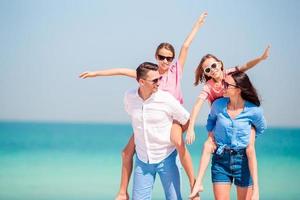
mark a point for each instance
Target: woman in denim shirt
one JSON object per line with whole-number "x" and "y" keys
{"x": 230, "y": 122}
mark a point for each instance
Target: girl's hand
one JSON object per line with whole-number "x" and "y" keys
{"x": 202, "y": 17}
{"x": 190, "y": 136}
{"x": 265, "y": 55}
{"x": 87, "y": 75}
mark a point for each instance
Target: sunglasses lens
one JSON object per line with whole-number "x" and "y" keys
{"x": 207, "y": 70}
{"x": 169, "y": 59}
{"x": 214, "y": 66}
{"x": 154, "y": 81}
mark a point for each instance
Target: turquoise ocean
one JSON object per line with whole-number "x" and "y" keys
{"x": 69, "y": 161}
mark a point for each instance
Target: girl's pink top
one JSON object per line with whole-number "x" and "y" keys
{"x": 212, "y": 91}
{"x": 170, "y": 81}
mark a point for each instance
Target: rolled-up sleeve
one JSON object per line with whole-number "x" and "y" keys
{"x": 204, "y": 93}
{"x": 178, "y": 112}
{"x": 259, "y": 121}
{"x": 212, "y": 118}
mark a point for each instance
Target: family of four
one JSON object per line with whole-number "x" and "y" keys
{"x": 159, "y": 120}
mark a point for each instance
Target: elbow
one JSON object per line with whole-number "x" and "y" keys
{"x": 185, "y": 126}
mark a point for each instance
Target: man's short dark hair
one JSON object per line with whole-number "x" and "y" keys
{"x": 144, "y": 68}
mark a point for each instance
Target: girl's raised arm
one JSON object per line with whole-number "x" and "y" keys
{"x": 110, "y": 72}
{"x": 184, "y": 49}
{"x": 255, "y": 61}
{"x": 190, "y": 135}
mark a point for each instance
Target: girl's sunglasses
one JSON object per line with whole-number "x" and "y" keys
{"x": 207, "y": 70}
{"x": 169, "y": 59}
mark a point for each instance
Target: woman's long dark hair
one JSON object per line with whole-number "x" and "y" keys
{"x": 248, "y": 92}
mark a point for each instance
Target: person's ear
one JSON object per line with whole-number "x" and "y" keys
{"x": 141, "y": 82}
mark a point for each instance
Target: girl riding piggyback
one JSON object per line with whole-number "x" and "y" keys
{"x": 212, "y": 73}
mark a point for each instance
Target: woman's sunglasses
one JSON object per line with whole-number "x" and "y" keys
{"x": 226, "y": 85}
{"x": 207, "y": 70}
{"x": 169, "y": 59}
{"x": 155, "y": 81}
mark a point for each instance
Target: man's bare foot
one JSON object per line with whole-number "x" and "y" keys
{"x": 198, "y": 187}
{"x": 122, "y": 196}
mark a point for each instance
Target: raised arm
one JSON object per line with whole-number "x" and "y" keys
{"x": 110, "y": 72}
{"x": 190, "y": 136}
{"x": 185, "y": 47}
{"x": 255, "y": 61}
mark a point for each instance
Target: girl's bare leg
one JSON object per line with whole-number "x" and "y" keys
{"x": 127, "y": 160}
{"x": 184, "y": 154}
{"x": 208, "y": 148}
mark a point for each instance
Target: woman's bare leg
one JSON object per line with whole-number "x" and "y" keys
{"x": 244, "y": 193}
{"x": 222, "y": 191}
{"x": 127, "y": 160}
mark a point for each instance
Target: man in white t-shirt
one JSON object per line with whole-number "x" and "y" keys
{"x": 152, "y": 112}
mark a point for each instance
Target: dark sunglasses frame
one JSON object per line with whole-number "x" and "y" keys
{"x": 226, "y": 85}
{"x": 154, "y": 81}
{"x": 169, "y": 59}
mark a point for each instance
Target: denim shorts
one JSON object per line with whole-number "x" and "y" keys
{"x": 231, "y": 165}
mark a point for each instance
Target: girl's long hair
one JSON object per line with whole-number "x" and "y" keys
{"x": 200, "y": 76}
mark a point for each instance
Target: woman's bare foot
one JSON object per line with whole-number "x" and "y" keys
{"x": 122, "y": 196}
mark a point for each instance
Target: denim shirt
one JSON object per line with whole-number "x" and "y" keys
{"x": 234, "y": 133}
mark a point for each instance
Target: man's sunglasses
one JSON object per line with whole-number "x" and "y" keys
{"x": 226, "y": 85}
{"x": 207, "y": 70}
{"x": 155, "y": 81}
{"x": 169, "y": 59}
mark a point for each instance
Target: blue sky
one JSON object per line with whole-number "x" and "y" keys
{"x": 45, "y": 45}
